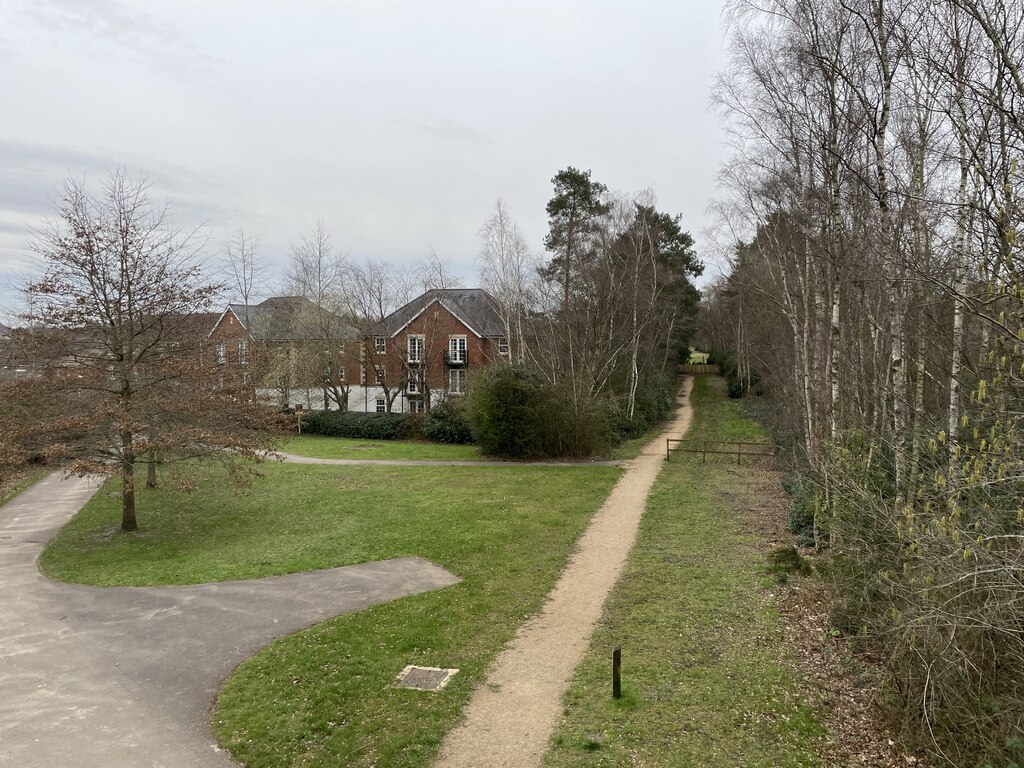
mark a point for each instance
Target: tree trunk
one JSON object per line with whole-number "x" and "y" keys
{"x": 151, "y": 470}
{"x": 128, "y": 521}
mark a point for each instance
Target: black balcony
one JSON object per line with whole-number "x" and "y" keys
{"x": 460, "y": 360}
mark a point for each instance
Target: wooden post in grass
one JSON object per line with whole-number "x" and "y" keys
{"x": 668, "y": 454}
{"x": 617, "y": 672}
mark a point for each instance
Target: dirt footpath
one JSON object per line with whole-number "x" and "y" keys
{"x": 511, "y": 716}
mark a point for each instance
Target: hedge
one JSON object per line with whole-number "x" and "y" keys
{"x": 363, "y": 426}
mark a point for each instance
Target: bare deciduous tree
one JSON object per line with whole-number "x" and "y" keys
{"x": 116, "y": 328}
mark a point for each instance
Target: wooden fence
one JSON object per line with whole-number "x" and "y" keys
{"x": 699, "y": 369}
{"x": 704, "y": 447}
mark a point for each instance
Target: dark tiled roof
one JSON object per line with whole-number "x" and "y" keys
{"x": 282, "y": 318}
{"x": 474, "y": 306}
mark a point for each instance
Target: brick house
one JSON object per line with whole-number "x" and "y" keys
{"x": 420, "y": 354}
{"x": 426, "y": 350}
{"x": 289, "y": 349}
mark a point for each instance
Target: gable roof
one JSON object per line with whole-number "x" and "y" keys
{"x": 474, "y": 307}
{"x": 280, "y": 318}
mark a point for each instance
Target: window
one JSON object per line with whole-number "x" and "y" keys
{"x": 222, "y": 353}
{"x": 502, "y": 346}
{"x": 243, "y": 352}
{"x": 378, "y": 372}
{"x": 382, "y": 406}
{"x": 415, "y": 346}
{"x": 341, "y": 373}
{"x": 412, "y": 389}
{"x": 417, "y": 406}
{"x": 380, "y": 345}
{"x": 457, "y": 349}
{"x": 457, "y": 381}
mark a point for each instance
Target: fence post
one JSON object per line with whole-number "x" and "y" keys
{"x": 617, "y": 672}
{"x": 668, "y": 455}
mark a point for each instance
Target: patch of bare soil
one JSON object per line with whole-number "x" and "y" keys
{"x": 843, "y": 690}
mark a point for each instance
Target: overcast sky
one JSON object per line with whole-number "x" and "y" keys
{"x": 398, "y": 123}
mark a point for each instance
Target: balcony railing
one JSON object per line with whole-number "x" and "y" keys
{"x": 456, "y": 360}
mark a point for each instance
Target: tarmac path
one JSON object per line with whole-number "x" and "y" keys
{"x": 124, "y": 677}
{"x": 512, "y": 714}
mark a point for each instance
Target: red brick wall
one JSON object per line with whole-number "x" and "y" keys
{"x": 229, "y": 332}
{"x": 436, "y": 325}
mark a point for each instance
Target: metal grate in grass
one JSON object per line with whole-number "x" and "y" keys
{"x": 424, "y": 678}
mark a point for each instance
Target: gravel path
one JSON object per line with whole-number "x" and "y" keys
{"x": 122, "y": 677}
{"x": 511, "y": 716}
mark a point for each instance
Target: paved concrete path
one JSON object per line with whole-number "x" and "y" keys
{"x": 124, "y": 677}
{"x": 296, "y": 459}
{"x": 511, "y": 715}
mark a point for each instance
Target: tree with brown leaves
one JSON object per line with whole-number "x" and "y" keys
{"x": 116, "y": 328}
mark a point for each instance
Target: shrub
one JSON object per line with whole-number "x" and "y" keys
{"x": 788, "y": 560}
{"x": 505, "y": 410}
{"x": 573, "y": 426}
{"x": 801, "y": 511}
{"x": 364, "y": 426}
{"x": 448, "y": 423}
{"x": 654, "y": 402}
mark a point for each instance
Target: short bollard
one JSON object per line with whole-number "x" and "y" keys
{"x": 617, "y": 672}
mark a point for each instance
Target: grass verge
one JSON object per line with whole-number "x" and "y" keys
{"x": 323, "y": 697}
{"x": 321, "y": 447}
{"x": 14, "y": 481}
{"x": 706, "y": 677}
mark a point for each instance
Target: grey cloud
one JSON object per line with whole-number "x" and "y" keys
{"x": 117, "y": 23}
{"x": 452, "y": 130}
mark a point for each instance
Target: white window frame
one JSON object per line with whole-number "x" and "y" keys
{"x": 381, "y": 406}
{"x": 378, "y": 374}
{"x": 222, "y": 353}
{"x": 457, "y": 381}
{"x": 412, "y": 387}
{"x": 458, "y": 349}
{"x": 380, "y": 345}
{"x": 341, "y": 373}
{"x": 417, "y": 406}
{"x": 503, "y": 348}
{"x": 243, "y": 352}
{"x": 415, "y": 337}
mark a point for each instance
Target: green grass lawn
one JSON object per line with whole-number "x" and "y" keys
{"x": 320, "y": 447}
{"x": 706, "y": 680}
{"x": 323, "y": 697}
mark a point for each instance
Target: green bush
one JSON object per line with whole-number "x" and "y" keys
{"x": 575, "y": 426}
{"x": 448, "y": 423}
{"x": 788, "y": 560}
{"x": 363, "y": 426}
{"x": 804, "y": 492}
{"x": 505, "y": 410}
{"x": 654, "y": 402}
